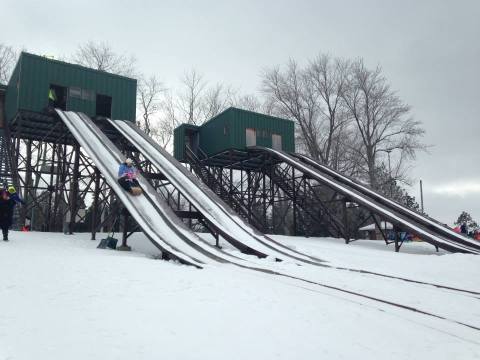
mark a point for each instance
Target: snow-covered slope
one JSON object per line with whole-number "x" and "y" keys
{"x": 61, "y": 298}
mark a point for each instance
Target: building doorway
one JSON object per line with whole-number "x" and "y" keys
{"x": 57, "y": 97}
{"x": 192, "y": 140}
{"x": 104, "y": 106}
{"x": 250, "y": 137}
{"x": 276, "y": 142}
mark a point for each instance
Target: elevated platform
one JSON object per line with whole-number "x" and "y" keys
{"x": 48, "y": 127}
{"x": 249, "y": 159}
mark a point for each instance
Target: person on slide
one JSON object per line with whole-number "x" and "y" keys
{"x": 127, "y": 177}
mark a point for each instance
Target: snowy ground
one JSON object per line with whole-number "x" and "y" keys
{"x": 61, "y": 298}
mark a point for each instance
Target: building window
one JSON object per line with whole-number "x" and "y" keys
{"x": 57, "y": 97}
{"x": 250, "y": 137}
{"x": 88, "y": 95}
{"x": 79, "y": 93}
{"x": 104, "y": 106}
{"x": 277, "y": 141}
{"x": 75, "y": 92}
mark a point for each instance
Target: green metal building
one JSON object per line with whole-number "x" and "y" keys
{"x": 235, "y": 129}
{"x": 38, "y": 82}
{"x": 3, "y": 91}
{"x": 184, "y": 134}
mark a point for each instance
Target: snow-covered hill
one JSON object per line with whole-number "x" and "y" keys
{"x": 61, "y": 298}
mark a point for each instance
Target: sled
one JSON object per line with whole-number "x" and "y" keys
{"x": 136, "y": 190}
{"x": 110, "y": 242}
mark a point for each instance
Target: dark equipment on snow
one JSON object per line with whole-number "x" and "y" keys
{"x": 109, "y": 242}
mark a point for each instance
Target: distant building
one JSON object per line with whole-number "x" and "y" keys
{"x": 372, "y": 232}
{"x": 234, "y": 130}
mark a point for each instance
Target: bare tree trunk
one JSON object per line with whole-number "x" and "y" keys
{"x": 382, "y": 120}
{"x": 8, "y": 57}
{"x": 149, "y": 91}
{"x": 190, "y": 101}
{"x": 312, "y": 97}
{"x": 102, "y": 57}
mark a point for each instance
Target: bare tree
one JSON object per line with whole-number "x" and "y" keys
{"x": 148, "y": 93}
{"x": 295, "y": 98}
{"x": 101, "y": 56}
{"x": 170, "y": 109}
{"x": 248, "y": 102}
{"x": 216, "y": 99}
{"x": 8, "y": 57}
{"x": 312, "y": 98}
{"x": 190, "y": 99}
{"x": 382, "y": 120}
{"x": 162, "y": 131}
{"x": 197, "y": 102}
{"x": 329, "y": 78}
{"x": 255, "y": 103}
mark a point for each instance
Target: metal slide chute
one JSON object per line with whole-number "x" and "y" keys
{"x": 393, "y": 214}
{"x": 229, "y": 224}
{"x": 155, "y": 218}
{"x": 432, "y": 224}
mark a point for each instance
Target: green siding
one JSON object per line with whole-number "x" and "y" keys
{"x": 179, "y": 140}
{"x": 179, "y": 143}
{"x": 3, "y": 90}
{"x": 227, "y": 131}
{"x": 11, "y": 97}
{"x": 212, "y": 133}
{"x": 265, "y": 126}
{"x": 34, "y": 74}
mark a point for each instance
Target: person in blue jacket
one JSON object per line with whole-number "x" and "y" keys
{"x": 14, "y": 195}
{"x": 127, "y": 175}
{"x": 8, "y": 199}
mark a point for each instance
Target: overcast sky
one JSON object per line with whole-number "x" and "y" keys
{"x": 429, "y": 51}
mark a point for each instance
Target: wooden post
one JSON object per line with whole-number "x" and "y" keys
{"x": 50, "y": 188}
{"x": 74, "y": 189}
{"x": 249, "y": 196}
{"x": 264, "y": 200}
{"x": 294, "y": 200}
{"x": 395, "y": 234}
{"x": 95, "y": 204}
{"x": 345, "y": 222}
{"x": 421, "y": 196}
{"x": 124, "y": 246}
{"x": 28, "y": 180}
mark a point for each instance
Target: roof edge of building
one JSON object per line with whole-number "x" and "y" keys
{"x": 85, "y": 68}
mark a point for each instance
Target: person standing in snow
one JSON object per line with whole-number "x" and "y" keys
{"x": 127, "y": 175}
{"x": 8, "y": 200}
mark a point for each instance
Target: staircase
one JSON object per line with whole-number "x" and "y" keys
{"x": 306, "y": 200}
{"x": 5, "y": 168}
{"x": 222, "y": 189}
